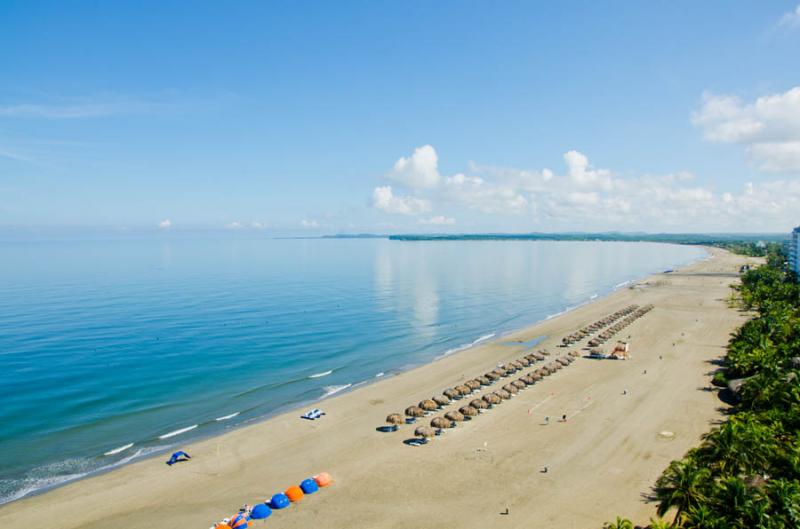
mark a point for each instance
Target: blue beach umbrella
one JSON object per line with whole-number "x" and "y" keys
{"x": 309, "y": 486}
{"x": 279, "y": 501}
{"x": 260, "y": 512}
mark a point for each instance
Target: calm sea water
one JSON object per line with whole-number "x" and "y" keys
{"x": 111, "y": 350}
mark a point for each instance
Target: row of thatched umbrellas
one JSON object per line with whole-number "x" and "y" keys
{"x": 596, "y": 326}
{"x": 453, "y": 417}
{"x": 614, "y": 329}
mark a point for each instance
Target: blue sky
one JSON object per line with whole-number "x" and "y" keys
{"x": 323, "y": 117}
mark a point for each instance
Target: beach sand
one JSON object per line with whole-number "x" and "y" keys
{"x": 601, "y": 461}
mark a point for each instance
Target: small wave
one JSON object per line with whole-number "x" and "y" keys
{"x": 178, "y": 432}
{"x": 557, "y": 314}
{"x": 332, "y": 390}
{"x": 379, "y": 375}
{"x": 118, "y": 449}
{"x": 468, "y": 345}
{"x": 620, "y": 285}
{"x": 320, "y": 375}
{"x": 593, "y": 296}
{"x": 59, "y": 473}
{"x": 226, "y": 417}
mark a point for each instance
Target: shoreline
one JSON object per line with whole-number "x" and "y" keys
{"x": 498, "y": 348}
{"x": 147, "y": 449}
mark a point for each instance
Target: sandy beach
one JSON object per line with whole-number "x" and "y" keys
{"x": 601, "y": 460}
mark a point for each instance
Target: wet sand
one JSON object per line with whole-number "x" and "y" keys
{"x": 601, "y": 461}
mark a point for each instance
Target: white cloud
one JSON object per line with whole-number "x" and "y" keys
{"x": 77, "y": 109}
{"x": 257, "y": 225}
{"x": 165, "y": 224}
{"x": 384, "y": 199}
{"x": 768, "y": 128}
{"x": 587, "y": 198}
{"x": 418, "y": 171}
{"x": 476, "y": 193}
{"x": 235, "y": 225}
{"x": 438, "y": 220}
{"x": 791, "y": 19}
{"x": 309, "y": 223}
{"x": 582, "y": 174}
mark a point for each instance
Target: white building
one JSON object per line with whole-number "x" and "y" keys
{"x": 794, "y": 250}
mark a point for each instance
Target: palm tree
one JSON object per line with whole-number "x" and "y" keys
{"x": 620, "y": 523}
{"x": 681, "y": 486}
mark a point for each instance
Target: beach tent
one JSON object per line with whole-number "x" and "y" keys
{"x": 323, "y": 479}
{"x": 260, "y": 512}
{"x": 309, "y": 486}
{"x": 294, "y": 493}
{"x": 239, "y": 521}
{"x": 279, "y": 501}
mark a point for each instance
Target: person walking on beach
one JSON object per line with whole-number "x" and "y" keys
{"x": 564, "y": 417}
{"x": 547, "y": 419}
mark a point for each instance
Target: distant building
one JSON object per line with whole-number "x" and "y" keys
{"x": 794, "y": 250}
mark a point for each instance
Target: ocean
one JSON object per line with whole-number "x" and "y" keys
{"x": 114, "y": 350}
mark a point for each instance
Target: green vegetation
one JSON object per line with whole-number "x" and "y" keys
{"x": 745, "y": 243}
{"x": 746, "y": 472}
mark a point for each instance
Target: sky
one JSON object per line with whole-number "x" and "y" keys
{"x": 316, "y": 117}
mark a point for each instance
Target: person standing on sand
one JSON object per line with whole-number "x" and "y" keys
{"x": 547, "y": 419}
{"x": 564, "y": 417}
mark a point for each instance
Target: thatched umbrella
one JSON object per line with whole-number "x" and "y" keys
{"x": 544, "y": 352}
{"x": 468, "y": 411}
{"x": 425, "y": 431}
{"x": 479, "y": 404}
{"x": 516, "y": 365}
{"x": 538, "y": 356}
{"x": 473, "y": 384}
{"x": 511, "y": 388}
{"x": 537, "y": 376}
{"x": 503, "y": 394}
{"x": 395, "y": 418}
{"x": 574, "y": 354}
{"x": 415, "y": 411}
{"x": 462, "y": 389}
{"x": 524, "y": 361}
{"x": 452, "y": 394}
{"x": 519, "y": 384}
{"x": 492, "y": 399}
{"x": 440, "y": 422}
{"x": 454, "y": 416}
{"x": 484, "y": 380}
{"x": 491, "y": 375}
{"x": 428, "y": 405}
{"x": 563, "y": 361}
{"x": 531, "y": 358}
{"x": 499, "y": 371}
{"x": 441, "y": 400}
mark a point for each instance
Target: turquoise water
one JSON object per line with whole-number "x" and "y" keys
{"x": 108, "y": 348}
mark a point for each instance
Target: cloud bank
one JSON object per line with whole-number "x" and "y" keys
{"x": 768, "y": 128}
{"x": 583, "y": 196}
